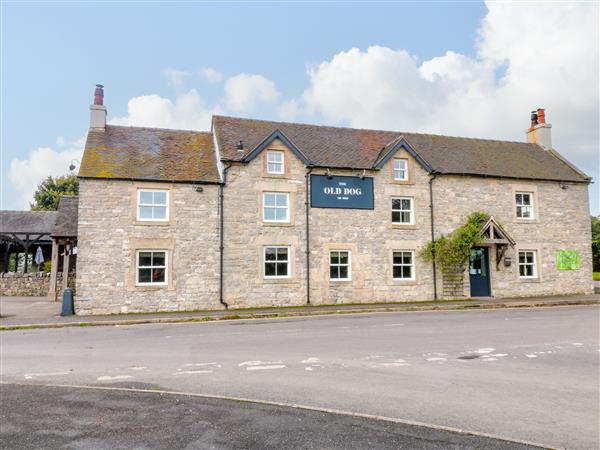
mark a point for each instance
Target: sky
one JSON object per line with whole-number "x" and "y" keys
{"x": 463, "y": 69}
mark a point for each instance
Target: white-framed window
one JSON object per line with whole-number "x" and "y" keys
{"x": 403, "y": 265}
{"x": 339, "y": 265}
{"x": 151, "y": 267}
{"x": 277, "y": 262}
{"x": 400, "y": 169}
{"x": 153, "y": 204}
{"x": 402, "y": 210}
{"x": 528, "y": 264}
{"x": 275, "y": 162}
{"x": 524, "y": 202}
{"x": 276, "y": 207}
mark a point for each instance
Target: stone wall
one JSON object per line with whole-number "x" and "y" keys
{"x": 561, "y": 222}
{"x": 29, "y": 284}
{"x": 109, "y": 236}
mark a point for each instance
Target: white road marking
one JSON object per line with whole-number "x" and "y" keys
{"x": 191, "y": 372}
{"x": 311, "y": 360}
{"x": 308, "y": 368}
{"x": 29, "y": 376}
{"x": 499, "y": 354}
{"x": 483, "y": 351}
{"x": 436, "y": 359}
{"x": 138, "y": 368}
{"x": 212, "y": 364}
{"x": 277, "y": 366}
{"x": 577, "y": 344}
{"x": 394, "y": 325}
{"x": 116, "y": 377}
{"x": 531, "y": 356}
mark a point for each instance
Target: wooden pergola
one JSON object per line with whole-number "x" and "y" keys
{"x": 64, "y": 236}
{"x": 23, "y": 232}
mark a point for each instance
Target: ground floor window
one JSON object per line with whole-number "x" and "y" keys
{"x": 151, "y": 267}
{"x": 339, "y": 265}
{"x": 403, "y": 265}
{"x": 277, "y": 262}
{"x": 528, "y": 264}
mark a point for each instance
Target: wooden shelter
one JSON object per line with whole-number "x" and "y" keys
{"x": 64, "y": 243}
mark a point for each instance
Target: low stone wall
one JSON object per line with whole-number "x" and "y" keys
{"x": 29, "y": 284}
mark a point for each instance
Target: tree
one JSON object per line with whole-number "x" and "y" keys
{"x": 596, "y": 243}
{"x": 49, "y": 191}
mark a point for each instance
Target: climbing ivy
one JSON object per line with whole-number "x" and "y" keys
{"x": 452, "y": 252}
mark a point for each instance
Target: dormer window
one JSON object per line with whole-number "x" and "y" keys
{"x": 275, "y": 162}
{"x": 400, "y": 169}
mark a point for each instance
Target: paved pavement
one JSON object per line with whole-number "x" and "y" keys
{"x": 527, "y": 374}
{"x": 36, "y": 417}
{"x": 38, "y": 311}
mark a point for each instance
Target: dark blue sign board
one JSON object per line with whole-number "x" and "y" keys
{"x": 341, "y": 192}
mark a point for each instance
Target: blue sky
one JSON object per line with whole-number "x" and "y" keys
{"x": 416, "y": 67}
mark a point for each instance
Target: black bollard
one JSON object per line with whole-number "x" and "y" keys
{"x": 68, "y": 308}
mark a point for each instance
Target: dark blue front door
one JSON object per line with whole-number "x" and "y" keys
{"x": 479, "y": 272}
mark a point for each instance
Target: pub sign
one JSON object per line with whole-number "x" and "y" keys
{"x": 341, "y": 192}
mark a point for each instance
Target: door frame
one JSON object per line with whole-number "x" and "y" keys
{"x": 489, "y": 272}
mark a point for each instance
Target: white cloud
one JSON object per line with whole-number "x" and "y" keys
{"x": 211, "y": 75}
{"x": 245, "y": 92}
{"x": 176, "y": 78}
{"x": 26, "y": 174}
{"x": 187, "y": 112}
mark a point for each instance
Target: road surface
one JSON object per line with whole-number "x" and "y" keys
{"x": 524, "y": 374}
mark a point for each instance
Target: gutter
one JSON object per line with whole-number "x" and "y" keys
{"x": 435, "y": 292}
{"x": 307, "y": 207}
{"x": 221, "y": 234}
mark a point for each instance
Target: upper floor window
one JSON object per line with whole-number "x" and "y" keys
{"x": 339, "y": 265}
{"x": 528, "y": 264}
{"x": 277, "y": 262}
{"x": 275, "y": 162}
{"x": 152, "y": 204}
{"x": 403, "y": 265}
{"x": 400, "y": 169}
{"x": 151, "y": 267}
{"x": 402, "y": 210}
{"x": 276, "y": 207}
{"x": 524, "y": 202}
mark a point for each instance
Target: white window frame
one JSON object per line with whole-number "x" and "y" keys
{"x": 348, "y": 265}
{"x": 139, "y": 204}
{"x": 288, "y": 262}
{"x": 411, "y": 265}
{"x": 287, "y": 207}
{"x": 398, "y": 170}
{"x": 138, "y": 267}
{"x": 528, "y": 207}
{"x": 534, "y": 265}
{"x": 411, "y": 211}
{"x": 282, "y": 162}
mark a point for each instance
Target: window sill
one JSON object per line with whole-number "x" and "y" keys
{"x": 280, "y": 281}
{"x": 529, "y": 280}
{"x": 338, "y": 281}
{"x": 404, "y": 282}
{"x": 409, "y": 181}
{"x": 276, "y": 176}
{"x": 401, "y": 226}
{"x": 152, "y": 223}
{"x": 277, "y": 224}
{"x": 526, "y": 221}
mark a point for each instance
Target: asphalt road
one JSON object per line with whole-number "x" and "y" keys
{"x": 521, "y": 374}
{"x": 36, "y": 417}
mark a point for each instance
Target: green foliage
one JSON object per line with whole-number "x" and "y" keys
{"x": 47, "y": 266}
{"x": 596, "y": 243}
{"x": 453, "y": 251}
{"x": 49, "y": 191}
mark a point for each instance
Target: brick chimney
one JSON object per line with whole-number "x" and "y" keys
{"x": 98, "y": 110}
{"x": 539, "y": 131}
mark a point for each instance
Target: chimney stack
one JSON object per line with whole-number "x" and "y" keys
{"x": 539, "y": 131}
{"x": 98, "y": 110}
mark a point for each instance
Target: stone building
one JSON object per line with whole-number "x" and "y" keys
{"x": 257, "y": 213}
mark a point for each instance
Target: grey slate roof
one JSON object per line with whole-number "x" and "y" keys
{"x": 361, "y": 149}
{"x": 137, "y": 153}
{"x": 66, "y": 218}
{"x": 27, "y": 222}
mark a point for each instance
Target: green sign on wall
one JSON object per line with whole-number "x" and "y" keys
{"x": 567, "y": 259}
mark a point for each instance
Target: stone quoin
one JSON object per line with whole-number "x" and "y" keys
{"x": 257, "y": 213}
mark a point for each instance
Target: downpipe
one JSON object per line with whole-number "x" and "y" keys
{"x": 221, "y": 234}
{"x": 435, "y": 291}
{"x": 307, "y": 208}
